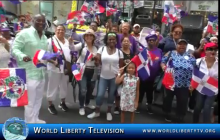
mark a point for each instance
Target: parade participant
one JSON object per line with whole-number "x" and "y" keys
{"x": 130, "y": 91}
{"x": 26, "y": 43}
{"x": 169, "y": 43}
{"x": 87, "y": 83}
{"x": 57, "y": 79}
{"x": 4, "y": 39}
{"x": 20, "y": 24}
{"x": 147, "y": 85}
{"x": 9, "y": 41}
{"x": 128, "y": 55}
{"x": 209, "y": 66}
{"x": 183, "y": 63}
{"x": 111, "y": 59}
{"x": 214, "y": 40}
{"x": 94, "y": 26}
{"x": 125, "y": 33}
{"x": 200, "y": 51}
{"x": 136, "y": 31}
{"x": 115, "y": 28}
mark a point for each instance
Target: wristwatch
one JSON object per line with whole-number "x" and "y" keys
{"x": 119, "y": 74}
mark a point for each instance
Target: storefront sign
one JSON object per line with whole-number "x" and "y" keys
{"x": 211, "y": 6}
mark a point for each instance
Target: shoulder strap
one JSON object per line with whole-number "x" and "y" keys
{"x": 118, "y": 53}
{"x": 200, "y": 62}
{"x": 60, "y": 48}
{"x": 80, "y": 51}
{"x": 102, "y": 49}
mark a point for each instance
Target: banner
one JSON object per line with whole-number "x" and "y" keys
{"x": 64, "y": 131}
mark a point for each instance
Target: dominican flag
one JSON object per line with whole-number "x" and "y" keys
{"x": 142, "y": 63}
{"x": 13, "y": 87}
{"x": 78, "y": 68}
{"x": 17, "y": 1}
{"x": 204, "y": 83}
{"x": 88, "y": 56}
{"x": 91, "y": 6}
{"x": 76, "y": 17}
{"x": 168, "y": 79}
{"x": 152, "y": 57}
{"x": 77, "y": 71}
{"x": 212, "y": 25}
{"x": 110, "y": 11}
{"x": 40, "y": 57}
{"x": 170, "y": 13}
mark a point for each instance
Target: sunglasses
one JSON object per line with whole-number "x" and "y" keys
{"x": 212, "y": 49}
{"x": 177, "y": 32}
{"x": 151, "y": 40}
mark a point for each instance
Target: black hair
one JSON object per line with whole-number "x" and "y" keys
{"x": 61, "y": 25}
{"x": 106, "y": 37}
{"x": 95, "y": 23}
{"x": 126, "y": 71}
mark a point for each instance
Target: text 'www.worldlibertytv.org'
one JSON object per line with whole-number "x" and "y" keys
{"x": 181, "y": 131}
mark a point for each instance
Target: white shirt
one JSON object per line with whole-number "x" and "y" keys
{"x": 110, "y": 63}
{"x": 213, "y": 71}
{"x": 66, "y": 52}
{"x": 78, "y": 47}
{"x": 190, "y": 48}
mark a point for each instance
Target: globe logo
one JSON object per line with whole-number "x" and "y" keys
{"x": 15, "y": 129}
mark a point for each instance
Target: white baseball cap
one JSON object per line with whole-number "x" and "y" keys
{"x": 136, "y": 25}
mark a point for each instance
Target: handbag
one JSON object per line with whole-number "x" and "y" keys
{"x": 67, "y": 65}
{"x": 158, "y": 82}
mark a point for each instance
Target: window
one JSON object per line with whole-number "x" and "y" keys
{"x": 47, "y": 9}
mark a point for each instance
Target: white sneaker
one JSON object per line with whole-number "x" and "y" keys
{"x": 40, "y": 121}
{"x": 109, "y": 116}
{"x": 93, "y": 115}
{"x": 90, "y": 106}
{"x": 82, "y": 111}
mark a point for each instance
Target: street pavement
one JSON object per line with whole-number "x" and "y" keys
{"x": 72, "y": 116}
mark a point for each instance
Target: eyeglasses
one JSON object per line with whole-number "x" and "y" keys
{"x": 212, "y": 49}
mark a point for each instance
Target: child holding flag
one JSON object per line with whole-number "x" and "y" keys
{"x": 130, "y": 90}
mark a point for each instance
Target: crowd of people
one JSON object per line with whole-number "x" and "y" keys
{"x": 112, "y": 69}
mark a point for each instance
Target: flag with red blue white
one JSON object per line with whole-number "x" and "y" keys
{"x": 78, "y": 68}
{"x": 168, "y": 79}
{"x": 212, "y": 25}
{"x": 142, "y": 63}
{"x": 204, "y": 83}
{"x": 40, "y": 58}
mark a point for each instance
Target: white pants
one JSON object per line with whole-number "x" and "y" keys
{"x": 57, "y": 82}
{"x": 35, "y": 95}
